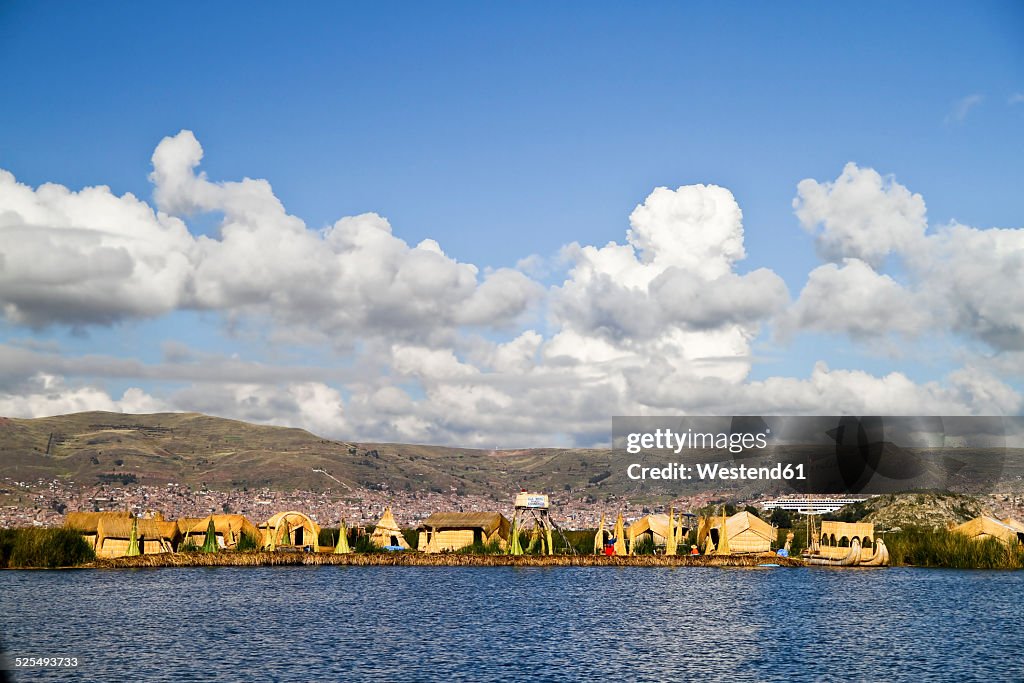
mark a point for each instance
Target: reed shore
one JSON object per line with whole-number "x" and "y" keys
{"x": 275, "y": 559}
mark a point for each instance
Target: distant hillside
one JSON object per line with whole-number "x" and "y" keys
{"x": 933, "y": 510}
{"x": 197, "y": 450}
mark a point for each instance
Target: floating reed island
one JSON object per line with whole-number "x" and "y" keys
{"x": 397, "y": 559}
{"x": 531, "y": 538}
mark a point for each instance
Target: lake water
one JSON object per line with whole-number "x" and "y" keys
{"x": 502, "y": 624}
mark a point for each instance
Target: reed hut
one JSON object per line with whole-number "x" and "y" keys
{"x": 87, "y": 523}
{"x": 659, "y": 528}
{"x": 1013, "y": 523}
{"x": 1008, "y": 531}
{"x": 387, "y": 533}
{"x": 114, "y": 534}
{"x": 186, "y": 524}
{"x": 228, "y": 530}
{"x": 741, "y": 533}
{"x": 454, "y": 530}
{"x": 290, "y": 529}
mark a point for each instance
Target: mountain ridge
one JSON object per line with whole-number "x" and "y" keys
{"x": 204, "y": 451}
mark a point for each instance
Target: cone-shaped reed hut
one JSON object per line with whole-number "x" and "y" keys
{"x": 387, "y": 533}
{"x": 515, "y": 545}
{"x": 672, "y": 542}
{"x": 210, "y": 542}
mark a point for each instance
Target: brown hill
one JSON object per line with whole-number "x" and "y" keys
{"x": 194, "y": 449}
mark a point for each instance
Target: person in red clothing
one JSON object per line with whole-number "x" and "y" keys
{"x": 693, "y": 550}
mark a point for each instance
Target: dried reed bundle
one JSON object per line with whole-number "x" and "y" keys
{"x": 407, "y": 559}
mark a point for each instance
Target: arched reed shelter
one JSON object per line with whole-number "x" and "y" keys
{"x": 290, "y": 528}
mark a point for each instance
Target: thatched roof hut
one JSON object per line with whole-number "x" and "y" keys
{"x": 228, "y": 530}
{"x": 387, "y": 533}
{"x": 1006, "y": 531}
{"x": 153, "y": 535}
{"x": 744, "y": 532}
{"x": 664, "y": 531}
{"x": 87, "y": 523}
{"x": 186, "y": 524}
{"x": 290, "y": 528}
{"x": 656, "y": 526}
{"x": 1013, "y": 523}
{"x": 454, "y": 530}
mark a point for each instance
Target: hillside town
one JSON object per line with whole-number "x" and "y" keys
{"x": 43, "y": 503}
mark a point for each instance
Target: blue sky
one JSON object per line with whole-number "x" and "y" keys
{"x": 505, "y": 132}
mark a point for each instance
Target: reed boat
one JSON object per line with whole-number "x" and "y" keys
{"x": 844, "y": 544}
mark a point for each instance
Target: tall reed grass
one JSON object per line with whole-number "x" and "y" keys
{"x": 927, "y": 548}
{"x": 43, "y": 548}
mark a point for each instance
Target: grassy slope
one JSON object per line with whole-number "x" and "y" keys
{"x": 194, "y": 449}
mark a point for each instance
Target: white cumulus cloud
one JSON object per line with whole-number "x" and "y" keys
{"x": 665, "y": 321}
{"x": 87, "y": 257}
{"x": 92, "y": 257}
{"x": 956, "y": 279}
{"x": 860, "y": 215}
{"x": 671, "y": 289}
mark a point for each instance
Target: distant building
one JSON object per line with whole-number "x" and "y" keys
{"x": 811, "y": 505}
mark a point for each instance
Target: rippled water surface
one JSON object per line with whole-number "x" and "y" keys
{"x": 503, "y": 624}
